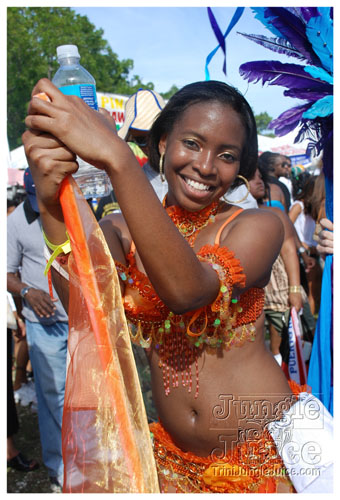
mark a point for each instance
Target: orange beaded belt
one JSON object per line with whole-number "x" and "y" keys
{"x": 253, "y": 466}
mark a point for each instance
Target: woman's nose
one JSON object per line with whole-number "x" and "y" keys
{"x": 205, "y": 163}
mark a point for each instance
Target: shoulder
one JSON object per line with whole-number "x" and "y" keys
{"x": 17, "y": 213}
{"x": 16, "y": 221}
{"x": 275, "y": 188}
{"x": 296, "y": 206}
{"x": 257, "y": 223}
{"x": 255, "y": 237}
{"x": 254, "y": 220}
{"x": 267, "y": 214}
{"x": 113, "y": 220}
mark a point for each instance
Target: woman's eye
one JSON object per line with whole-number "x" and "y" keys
{"x": 228, "y": 157}
{"x": 191, "y": 143}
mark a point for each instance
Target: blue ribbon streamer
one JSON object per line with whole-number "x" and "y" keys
{"x": 221, "y": 38}
{"x": 320, "y": 373}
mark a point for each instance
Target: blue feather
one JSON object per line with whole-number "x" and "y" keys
{"x": 291, "y": 76}
{"x": 325, "y": 11}
{"x": 319, "y": 32}
{"x": 319, "y": 73}
{"x": 260, "y": 15}
{"x": 307, "y": 94}
{"x": 279, "y": 45}
{"x": 321, "y": 108}
{"x": 288, "y": 120}
{"x": 293, "y": 29}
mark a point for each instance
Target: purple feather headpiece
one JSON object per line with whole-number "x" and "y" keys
{"x": 305, "y": 34}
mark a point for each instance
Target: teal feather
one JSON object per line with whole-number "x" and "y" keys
{"x": 325, "y": 11}
{"x": 321, "y": 108}
{"x": 259, "y": 14}
{"x": 319, "y": 73}
{"x": 319, "y": 31}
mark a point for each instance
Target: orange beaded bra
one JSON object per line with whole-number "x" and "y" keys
{"x": 179, "y": 339}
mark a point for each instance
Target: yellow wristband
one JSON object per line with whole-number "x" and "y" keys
{"x": 57, "y": 250}
{"x": 295, "y": 289}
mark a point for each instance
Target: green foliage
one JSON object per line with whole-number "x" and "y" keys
{"x": 169, "y": 93}
{"x": 262, "y": 122}
{"x": 32, "y": 37}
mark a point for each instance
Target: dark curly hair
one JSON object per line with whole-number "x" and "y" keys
{"x": 266, "y": 161}
{"x": 206, "y": 91}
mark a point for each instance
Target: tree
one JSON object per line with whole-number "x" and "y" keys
{"x": 169, "y": 93}
{"x": 262, "y": 122}
{"x": 32, "y": 37}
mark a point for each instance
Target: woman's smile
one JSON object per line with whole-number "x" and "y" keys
{"x": 197, "y": 189}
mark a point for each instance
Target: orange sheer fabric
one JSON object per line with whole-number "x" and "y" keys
{"x": 105, "y": 435}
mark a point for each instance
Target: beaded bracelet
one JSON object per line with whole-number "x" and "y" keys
{"x": 295, "y": 289}
{"x": 56, "y": 249}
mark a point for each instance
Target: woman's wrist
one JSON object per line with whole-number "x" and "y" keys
{"x": 119, "y": 159}
{"x": 294, "y": 289}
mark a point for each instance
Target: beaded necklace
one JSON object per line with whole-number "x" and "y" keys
{"x": 190, "y": 223}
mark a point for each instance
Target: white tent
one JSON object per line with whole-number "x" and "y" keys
{"x": 284, "y": 145}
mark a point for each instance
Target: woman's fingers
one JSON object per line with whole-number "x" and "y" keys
{"x": 37, "y": 144}
{"x": 45, "y": 86}
{"x": 90, "y": 134}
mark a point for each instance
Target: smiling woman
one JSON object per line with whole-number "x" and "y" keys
{"x": 197, "y": 158}
{"x": 192, "y": 272}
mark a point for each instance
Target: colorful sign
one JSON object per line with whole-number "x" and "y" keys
{"x": 115, "y": 104}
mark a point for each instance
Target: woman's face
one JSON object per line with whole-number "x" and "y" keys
{"x": 202, "y": 154}
{"x": 280, "y": 167}
{"x": 257, "y": 188}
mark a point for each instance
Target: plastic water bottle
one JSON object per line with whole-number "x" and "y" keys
{"x": 72, "y": 79}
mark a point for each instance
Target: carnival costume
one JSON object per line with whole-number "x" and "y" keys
{"x": 179, "y": 340}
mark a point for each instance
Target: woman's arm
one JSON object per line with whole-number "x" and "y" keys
{"x": 92, "y": 136}
{"x": 294, "y": 212}
{"x": 290, "y": 259}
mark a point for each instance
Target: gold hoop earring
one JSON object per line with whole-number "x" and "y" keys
{"x": 161, "y": 167}
{"x": 244, "y": 197}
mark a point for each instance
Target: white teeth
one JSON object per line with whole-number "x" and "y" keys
{"x": 197, "y": 185}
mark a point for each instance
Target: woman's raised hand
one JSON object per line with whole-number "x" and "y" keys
{"x": 50, "y": 162}
{"x": 87, "y": 133}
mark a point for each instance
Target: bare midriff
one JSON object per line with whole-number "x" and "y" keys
{"x": 240, "y": 391}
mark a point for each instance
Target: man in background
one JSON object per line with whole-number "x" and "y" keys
{"x": 46, "y": 324}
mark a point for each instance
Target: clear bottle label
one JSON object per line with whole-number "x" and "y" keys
{"x": 85, "y": 91}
